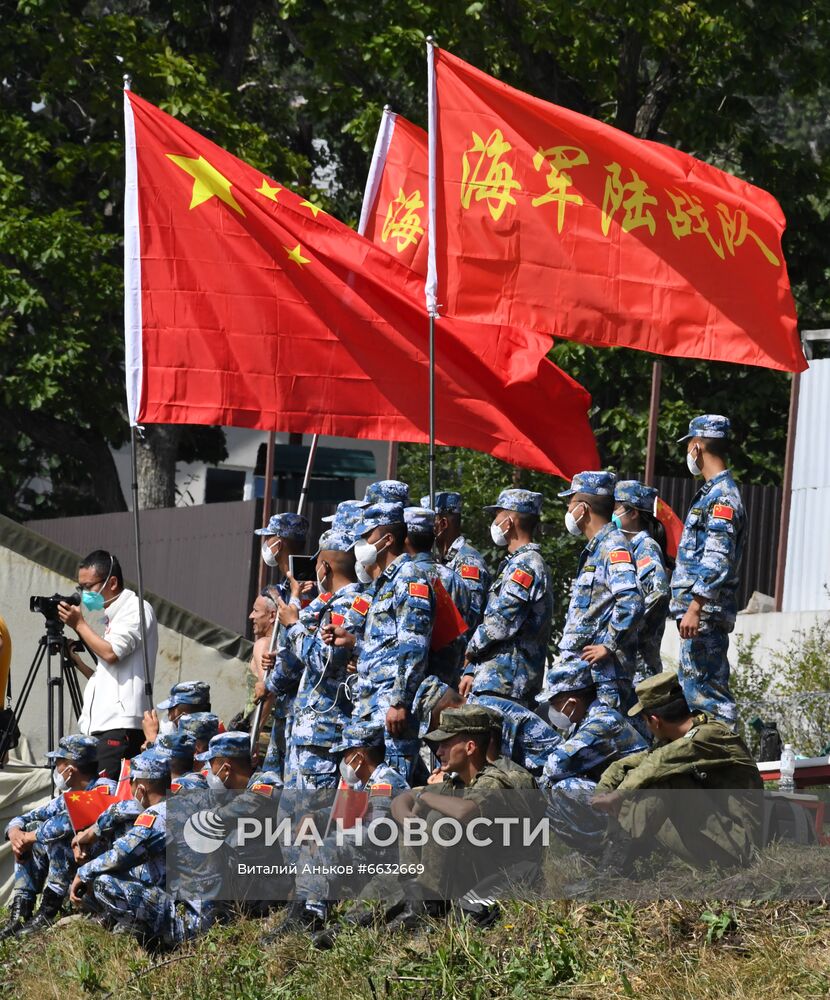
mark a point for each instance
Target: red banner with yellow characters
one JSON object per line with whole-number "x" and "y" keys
{"x": 551, "y": 221}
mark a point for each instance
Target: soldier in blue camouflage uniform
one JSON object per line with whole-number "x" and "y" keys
{"x": 447, "y": 660}
{"x": 635, "y": 516}
{"x": 180, "y": 749}
{"x": 606, "y": 605}
{"x": 322, "y": 707}
{"x": 284, "y": 535}
{"x": 394, "y": 652}
{"x": 593, "y": 736}
{"x": 125, "y": 884}
{"x": 186, "y": 696}
{"x": 362, "y": 768}
{"x": 42, "y": 839}
{"x": 348, "y": 515}
{"x": 705, "y": 581}
{"x": 203, "y": 726}
{"x": 524, "y": 737}
{"x": 506, "y": 653}
{"x": 385, "y": 491}
{"x": 456, "y": 553}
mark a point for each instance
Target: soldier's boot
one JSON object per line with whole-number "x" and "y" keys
{"x": 20, "y": 911}
{"x": 297, "y": 918}
{"x": 416, "y": 912}
{"x": 50, "y": 908}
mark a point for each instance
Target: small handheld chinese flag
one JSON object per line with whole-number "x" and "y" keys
{"x": 84, "y": 808}
{"x": 448, "y": 623}
{"x": 349, "y": 806}
{"x": 672, "y": 523}
{"x": 123, "y": 792}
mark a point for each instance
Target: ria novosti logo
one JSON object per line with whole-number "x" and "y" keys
{"x": 204, "y": 832}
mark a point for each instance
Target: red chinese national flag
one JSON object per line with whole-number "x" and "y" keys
{"x": 246, "y": 305}
{"x": 349, "y": 806}
{"x": 123, "y": 792}
{"x": 84, "y": 808}
{"x": 673, "y": 525}
{"x": 448, "y": 623}
{"x": 554, "y": 222}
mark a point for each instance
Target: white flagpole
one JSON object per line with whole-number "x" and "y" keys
{"x": 431, "y": 287}
{"x": 377, "y": 166}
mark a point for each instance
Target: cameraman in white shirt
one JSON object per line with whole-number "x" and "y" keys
{"x": 114, "y": 699}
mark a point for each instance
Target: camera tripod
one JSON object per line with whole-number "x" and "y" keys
{"x": 52, "y": 645}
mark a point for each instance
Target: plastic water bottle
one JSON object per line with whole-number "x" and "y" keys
{"x": 787, "y": 767}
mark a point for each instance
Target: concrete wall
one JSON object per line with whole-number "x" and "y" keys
{"x": 180, "y": 656}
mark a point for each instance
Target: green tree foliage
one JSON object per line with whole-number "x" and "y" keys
{"x": 297, "y": 88}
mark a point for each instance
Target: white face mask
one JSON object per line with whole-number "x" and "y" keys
{"x": 167, "y": 728}
{"x": 692, "y": 466}
{"x": 348, "y": 773}
{"x": 321, "y": 581}
{"x": 558, "y": 719}
{"x": 268, "y": 556}
{"x": 139, "y": 797}
{"x": 362, "y": 574}
{"x": 214, "y": 781}
{"x": 572, "y": 524}
{"x": 496, "y": 533}
{"x": 61, "y": 784}
{"x": 365, "y": 553}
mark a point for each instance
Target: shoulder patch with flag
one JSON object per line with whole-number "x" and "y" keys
{"x": 620, "y": 556}
{"x": 337, "y": 618}
{"x": 470, "y": 573}
{"x": 262, "y": 789}
{"x": 523, "y": 578}
{"x": 645, "y": 561}
{"x": 723, "y": 511}
{"x": 145, "y": 819}
{"x": 418, "y": 590}
{"x": 174, "y": 786}
{"x": 381, "y": 789}
{"x": 361, "y": 605}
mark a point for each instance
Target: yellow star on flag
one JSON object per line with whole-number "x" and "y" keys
{"x": 207, "y": 181}
{"x": 296, "y": 255}
{"x": 267, "y": 191}
{"x": 314, "y": 209}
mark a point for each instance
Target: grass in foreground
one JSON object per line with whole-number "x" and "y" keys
{"x": 597, "y": 950}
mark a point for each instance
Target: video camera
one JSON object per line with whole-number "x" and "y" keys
{"x": 48, "y": 606}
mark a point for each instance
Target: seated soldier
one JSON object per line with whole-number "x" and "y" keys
{"x": 180, "y": 749}
{"x": 464, "y": 786}
{"x": 362, "y": 769}
{"x": 593, "y": 736}
{"x": 43, "y": 860}
{"x": 523, "y": 736}
{"x": 203, "y": 726}
{"x": 102, "y": 834}
{"x": 186, "y": 696}
{"x": 668, "y": 796}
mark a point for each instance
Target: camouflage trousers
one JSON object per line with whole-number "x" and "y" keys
{"x": 572, "y": 817}
{"x": 49, "y": 866}
{"x": 309, "y": 767}
{"x": 280, "y": 736}
{"x": 704, "y": 675}
{"x": 147, "y": 910}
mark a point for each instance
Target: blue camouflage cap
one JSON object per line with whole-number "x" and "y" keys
{"x": 187, "y": 693}
{"x": 600, "y": 484}
{"x": 151, "y": 764}
{"x": 360, "y": 734}
{"x": 710, "y": 425}
{"x": 444, "y": 503}
{"x": 178, "y": 745}
{"x": 563, "y": 677}
{"x": 227, "y": 745}
{"x": 77, "y": 749}
{"x": 636, "y": 494}
{"x": 379, "y": 515}
{"x": 334, "y": 540}
{"x": 347, "y": 515}
{"x": 419, "y": 519}
{"x": 202, "y": 725}
{"x": 430, "y": 691}
{"x": 386, "y": 491}
{"x": 522, "y": 501}
{"x": 287, "y": 525}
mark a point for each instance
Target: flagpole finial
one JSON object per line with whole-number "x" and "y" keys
{"x": 387, "y": 107}
{"x": 128, "y": 82}
{"x": 430, "y": 39}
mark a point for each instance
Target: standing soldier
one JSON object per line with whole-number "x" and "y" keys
{"x": 457, "y": 554}
{"x": 606, "y": 605}
{"x": 705, "y": 581}
{"x": 634, "y": 516}
{"x": 506, "y": 653}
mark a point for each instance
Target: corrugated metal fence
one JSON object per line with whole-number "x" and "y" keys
{"x": 763, "y": 508}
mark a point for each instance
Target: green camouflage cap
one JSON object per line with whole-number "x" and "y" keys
{"x": 467, "y": 719}
{"x": 657, "y": 692}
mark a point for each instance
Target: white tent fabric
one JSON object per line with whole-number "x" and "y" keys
{"x": 23, "y": 786}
